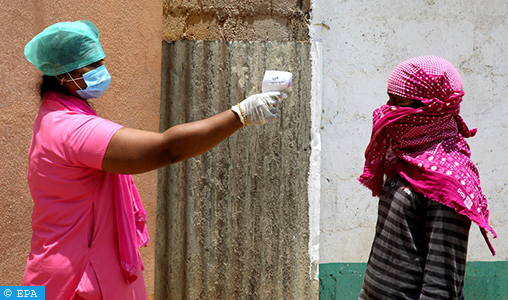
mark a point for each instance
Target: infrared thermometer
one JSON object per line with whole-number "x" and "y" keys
{"x": 276, "y": 81}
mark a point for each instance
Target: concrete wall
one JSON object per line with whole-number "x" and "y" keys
{"x": 234, "y": 223}
{"x": 131, "y": 36}
{"x": 232, "y": 20}
{"x": 361, "y": 42}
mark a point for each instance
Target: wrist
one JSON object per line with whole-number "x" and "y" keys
{"x": 240, "y": 113}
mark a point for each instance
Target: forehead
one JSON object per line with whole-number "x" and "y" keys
{"x": 89, "y": 67}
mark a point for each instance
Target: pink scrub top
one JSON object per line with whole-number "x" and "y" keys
{"x": 74, "y": 248}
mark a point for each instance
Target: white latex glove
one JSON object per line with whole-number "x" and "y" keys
{"x": 259, "y": 108}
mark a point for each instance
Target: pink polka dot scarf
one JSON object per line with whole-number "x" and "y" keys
{"x": 426, "y": 145}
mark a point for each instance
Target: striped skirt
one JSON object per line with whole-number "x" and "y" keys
{"x": 419, "y": 250}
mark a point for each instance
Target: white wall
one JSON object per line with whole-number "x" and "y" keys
{"x": 361, "y": 42}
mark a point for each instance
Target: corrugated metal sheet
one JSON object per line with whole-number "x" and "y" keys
{"x": 233, "y": 223}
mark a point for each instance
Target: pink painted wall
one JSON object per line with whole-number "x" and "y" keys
{"x": 131, "y": 35}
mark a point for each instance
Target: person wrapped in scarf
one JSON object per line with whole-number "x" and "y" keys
{"x": 418, "y": 164}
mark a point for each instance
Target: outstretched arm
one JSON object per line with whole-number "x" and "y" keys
{"x": 133, "y": 151}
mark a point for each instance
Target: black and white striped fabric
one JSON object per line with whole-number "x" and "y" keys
{"x": 419, "y": 250}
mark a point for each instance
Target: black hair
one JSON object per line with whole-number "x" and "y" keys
{"x": 51, "y": 84}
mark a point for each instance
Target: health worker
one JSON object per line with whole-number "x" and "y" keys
{"x": 88, "y": 220}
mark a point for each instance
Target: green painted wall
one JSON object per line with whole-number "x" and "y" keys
{"x": 484, "y": 280}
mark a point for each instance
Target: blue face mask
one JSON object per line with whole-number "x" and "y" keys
{"x": 97, "y": 82}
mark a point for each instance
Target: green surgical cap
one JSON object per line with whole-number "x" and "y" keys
{"x": 65, "y": 47}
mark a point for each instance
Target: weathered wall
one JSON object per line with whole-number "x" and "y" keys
{"x": 362, "y": 41}
{"x": 233, "y": 223}
{"x": 233, "y": 20}
{"x": 131, "y": 36}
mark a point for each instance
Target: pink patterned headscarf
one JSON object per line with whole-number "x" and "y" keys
{"x": 426, "y": 145}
